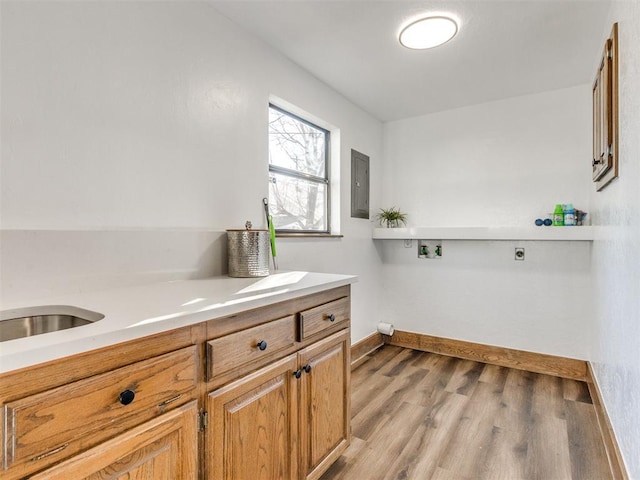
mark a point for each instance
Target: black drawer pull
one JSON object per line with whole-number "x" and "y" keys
{"x": 127, "y": 397}
{"x": 297, "y": 373}
{"x": 262, "y": 345}
{"x": 307, "y": 368}
{"x": 331, "y": 317}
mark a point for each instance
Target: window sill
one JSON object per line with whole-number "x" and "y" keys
{"x": 307, "y": 235}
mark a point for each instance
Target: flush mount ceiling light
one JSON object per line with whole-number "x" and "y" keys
{"x": 428, "y": 32}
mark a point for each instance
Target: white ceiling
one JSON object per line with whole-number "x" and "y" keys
{"x": 503, "y": 48}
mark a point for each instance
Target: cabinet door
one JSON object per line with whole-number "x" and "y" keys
{"x": 164, "y": 448}
{"x": 605, "y": 114}
{"x": 324, "y": 403}
{"x": 602, "y": 118}
{"x": 252, "y": 432}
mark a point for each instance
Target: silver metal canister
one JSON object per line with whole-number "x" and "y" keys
{"x": 248, "y": 252}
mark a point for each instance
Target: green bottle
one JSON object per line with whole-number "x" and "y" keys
{"x": 558, "y": 216}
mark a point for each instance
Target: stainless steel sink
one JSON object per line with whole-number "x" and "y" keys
{"x": 25, "y": 322}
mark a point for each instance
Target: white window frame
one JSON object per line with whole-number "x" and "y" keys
{"x": 331, "y": 202}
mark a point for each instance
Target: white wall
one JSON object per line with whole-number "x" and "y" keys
{"x": 616, "y": 256}
{"x": 500, "y": 163}
{"x": 134, "y": 134}
{"x": 503, "y": 163}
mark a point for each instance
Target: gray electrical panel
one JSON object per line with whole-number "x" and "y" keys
{"x": 359, "y": 185}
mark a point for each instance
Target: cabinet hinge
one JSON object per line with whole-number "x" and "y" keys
{"x": 203, "y": 420}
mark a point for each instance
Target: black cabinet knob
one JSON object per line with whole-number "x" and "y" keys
{"x": 331, "y": 317}
{"x": 307, "y": 368}
{"x": 297, "y": 373}
{"x": 262, "y": 345}
{"x": 127, "y": 397}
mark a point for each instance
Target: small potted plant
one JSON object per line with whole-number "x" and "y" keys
{"x": 391, "y": 217}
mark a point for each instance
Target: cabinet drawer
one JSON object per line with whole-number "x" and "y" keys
{"x": 51, "y": 425}
{"x": 324, "y": 316}
{"x": 165, "y": 447}
{"x": 239, "y": 349}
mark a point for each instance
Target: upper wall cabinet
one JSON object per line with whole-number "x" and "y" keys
{"x": 605, "y": 114}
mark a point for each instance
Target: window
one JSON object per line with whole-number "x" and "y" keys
{"x": 298, "y": 174}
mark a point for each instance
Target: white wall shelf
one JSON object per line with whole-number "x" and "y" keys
{"x": 583, "y": 233}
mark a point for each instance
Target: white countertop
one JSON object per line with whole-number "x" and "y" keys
{"x": 135, "y": 312}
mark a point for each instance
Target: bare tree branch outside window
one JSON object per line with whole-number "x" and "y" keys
{"x": 298, "y": 173}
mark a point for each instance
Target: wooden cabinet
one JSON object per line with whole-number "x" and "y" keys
{"x": 605, "y": 114}
{"x": 130, "y": 408}
{"x": 263, "y": 394}
{"x": 290, "y": 419}
{"x": 164, "y": 448}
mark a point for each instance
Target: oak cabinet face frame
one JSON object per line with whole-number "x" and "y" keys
{"x": 605, "y": 114}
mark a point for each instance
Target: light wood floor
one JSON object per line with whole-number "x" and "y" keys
{"x": 421, "y": 416}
